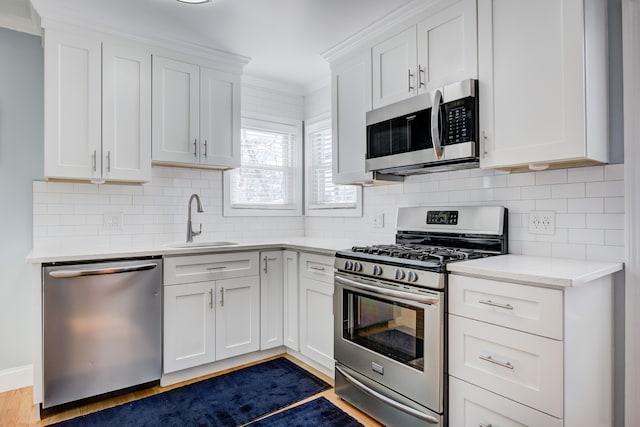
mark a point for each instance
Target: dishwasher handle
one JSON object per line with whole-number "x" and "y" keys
{"x": 63, "y": 274}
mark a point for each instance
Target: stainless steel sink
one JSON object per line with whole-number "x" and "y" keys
{"x": 200, "y": 244}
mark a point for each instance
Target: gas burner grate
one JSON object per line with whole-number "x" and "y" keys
{"x": 420, "y": 252}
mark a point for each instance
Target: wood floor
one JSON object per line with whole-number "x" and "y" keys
{"x": 17, "y": 408}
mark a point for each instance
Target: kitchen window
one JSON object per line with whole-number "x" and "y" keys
{"x": 268, "y": 182}
{"x": 323, "y": 197}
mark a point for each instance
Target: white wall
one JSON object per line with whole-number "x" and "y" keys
{"x": 21, "y": 146}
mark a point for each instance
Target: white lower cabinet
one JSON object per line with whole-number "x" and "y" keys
{"x": 472, "y": 406}
{"x": 189, "y": 325}
{"x": 237, "y": 316}
{"x": 209, "y": 320}
{"x": 316, "y": 308}
{"x": 291, "y": 301}
{"x": 525, "y": 355}
{"x": 271, "y": 299}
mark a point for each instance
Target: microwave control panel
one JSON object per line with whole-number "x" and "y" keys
{"x": 460, "y": 121}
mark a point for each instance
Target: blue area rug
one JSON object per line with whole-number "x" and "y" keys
{"x": 316, "y": 413}
{"x": 228, "y": 400}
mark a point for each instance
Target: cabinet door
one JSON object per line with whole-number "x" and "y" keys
{"x": 237, "y": 316}
{"x": 291, "y": 301}
{"x": 189, "y": 325}
{"x": 473, "y": 406}
{"x": 126, "y": 113}
{"x": 394, "y": 68}
{"x": 271, "y": 299}
{"x": 175, "y": 111}
{"x": 532, "y": 82}
{"x": 72, "y": 106}
{"x": 447, "y": 46}
{"x": 316, "y": 321}
{"x": 219, "y": 118}
{"x": 350, "y": 99}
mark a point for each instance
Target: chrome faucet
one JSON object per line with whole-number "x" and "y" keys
{"x": 190, "y": 232}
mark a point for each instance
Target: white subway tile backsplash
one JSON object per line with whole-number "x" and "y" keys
{"x": 521, "y": 179}
{"x": 568, "y": 191}
{"x": 568, "y": 250}
{"x": 536, "y": 192}
{"x": 606, "y": 221}
{"x": 614, "y": 205}
{"x": 591, "y": 205}
{"x": 614, "y": 237}
{"x": 614, "y": 172}
{"x": 556, "y": 176}
{"x": 587, "y": 236}
{"x": 586, "y": 174}
{"x": 605, "y": 189}
{"x": 557, "y": 205}
{"x": 571, "y": 220}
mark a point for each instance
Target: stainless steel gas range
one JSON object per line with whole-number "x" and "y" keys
{"x": 390, "y": 311}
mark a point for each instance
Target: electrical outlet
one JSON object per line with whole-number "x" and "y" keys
{"x": 112, "y": 221}
{"x": 378, "y": 221}
{"x": 542, "y": 222}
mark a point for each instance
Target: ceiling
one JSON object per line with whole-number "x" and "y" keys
{"x": 283, "y": 38}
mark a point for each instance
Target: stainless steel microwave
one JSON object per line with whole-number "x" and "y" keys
{"x": 413, "y": 137}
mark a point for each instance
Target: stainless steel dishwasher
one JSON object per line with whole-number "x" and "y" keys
{"x": 102, "y": 328}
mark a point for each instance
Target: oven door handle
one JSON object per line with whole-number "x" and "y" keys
{"x": 404, "y": 408}
{"x": 387, "y": 292}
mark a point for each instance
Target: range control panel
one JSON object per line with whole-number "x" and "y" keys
{"x": 442, "y": 217}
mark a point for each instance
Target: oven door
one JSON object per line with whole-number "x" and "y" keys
{"x": 392, "y": 335}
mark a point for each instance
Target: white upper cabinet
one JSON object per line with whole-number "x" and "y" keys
{"x": 439, "y": 50}
{"x": 72, "y": 86}
{"x": 97, "y": 109}
{"x": 126, "y": 113}
{"x": 542, "y": 83}
{"x": 394, "y": 68}
{"x": 350, "y": 99}
{"x": 196, "y": 115}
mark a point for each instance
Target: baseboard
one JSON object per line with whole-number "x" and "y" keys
{"x": 315, "y": 365}
{"x": 13, "y": 378}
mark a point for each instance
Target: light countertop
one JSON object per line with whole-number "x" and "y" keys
{"x": 316, "y": 245}
{"x": 542, "y": 271}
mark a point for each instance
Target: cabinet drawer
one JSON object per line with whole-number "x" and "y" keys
{"x": 523, "y": 367}
{"x": 200, "y": 268}
{"x": 318, "y": 267}
{"x": 472, "y": 406}
{"x": 525, "y": 308}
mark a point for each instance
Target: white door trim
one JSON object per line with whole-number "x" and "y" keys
{"x": 631, "y": 71}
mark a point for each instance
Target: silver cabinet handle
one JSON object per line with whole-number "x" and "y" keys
{"x": 195, "y": 148}
{"x": 265, "y": 269}
{"x": 221, "y": 297}
{"x": 108, "y": 161}
{"x": 490, "y": 359}
{"x": 484, "y": 144}
{"x": 63, "y": 274}
{"x": 496, "y": 304}
{"x": 311, "y": 267}
{"x": 484, "y": 425}
{"x": 421, "y": 72}
{"x": 222, "y": 267}
{"x": 205, "y": 148}
{"x": 95, "y": 161}
{"x": 435, "y": 125}
{"x": 404, "y": 408}
{"x": 211, "y": 298}
{"x": 410, "y": 74}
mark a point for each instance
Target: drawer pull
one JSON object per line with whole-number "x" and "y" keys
{"x": 222, "y": 267}
{"x": 497, "y": 304}
{"x": 484, "y": 425}
{"x": 490, "y": 359}
{"x": 316, "y": 268}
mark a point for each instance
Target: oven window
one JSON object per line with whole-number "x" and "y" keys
{"x": 389, "y": 328}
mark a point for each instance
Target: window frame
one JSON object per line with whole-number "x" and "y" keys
{"x": 313, "y": 125}
{"x": 275, "y": 124}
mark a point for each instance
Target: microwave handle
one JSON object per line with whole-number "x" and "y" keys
{"x": 435, "y": 125}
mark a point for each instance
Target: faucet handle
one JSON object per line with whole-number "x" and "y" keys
{"x": 197, "y": 233}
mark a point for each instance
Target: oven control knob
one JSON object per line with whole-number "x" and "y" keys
{"x": 412, "y": 276}
{"x": 348, "y": 265}
{"x": 357, "y": 267}
{"x": 399, "y": 274}
{"x": 377, "y": 270}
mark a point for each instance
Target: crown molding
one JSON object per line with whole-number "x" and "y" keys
{"x": 23, "y": 24}
{"x": 71, "y": 20}
{"x": 272, "y": 85}
{"x": 376, "y": 29}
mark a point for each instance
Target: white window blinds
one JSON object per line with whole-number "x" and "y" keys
{"x": 267, "y": 177}
{"x": 323, "y": 193}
